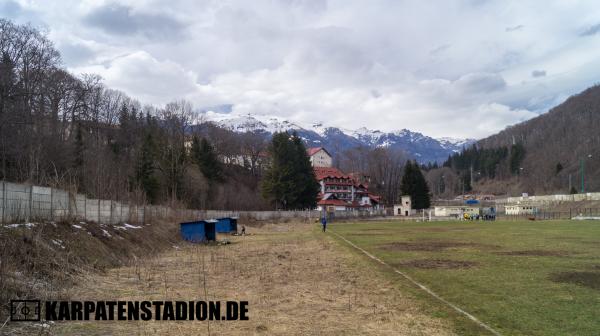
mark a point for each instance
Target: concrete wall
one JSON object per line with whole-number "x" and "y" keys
{"x": 20, "y": 203}
{"x": 548, "y": 199}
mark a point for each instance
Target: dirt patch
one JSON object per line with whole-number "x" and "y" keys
{"x": 439, "y": 264}
{"x": 362, "y": 234}
{"x": 444, "y": 229}
{"x": 536, "y": 253}
{"x": 427, "y": 245}
{"x": 585, "y": 279}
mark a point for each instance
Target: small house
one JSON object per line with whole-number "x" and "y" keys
{"x": 319, "y": 157}
{"x": 198, "y": 231}
{"x": 405, "y": 207}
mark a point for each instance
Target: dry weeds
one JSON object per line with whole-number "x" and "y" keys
{"x": 298, "y": 282}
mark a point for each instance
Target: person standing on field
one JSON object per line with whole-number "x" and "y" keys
{"x": 324, "y": 223}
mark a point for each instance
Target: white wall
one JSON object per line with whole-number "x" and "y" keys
{"x": 321, "y": 159}
{"x": 20, "y": 202}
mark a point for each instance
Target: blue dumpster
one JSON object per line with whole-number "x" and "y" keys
{"x": 198, "y": 231}
{"x": 227, "y": 224}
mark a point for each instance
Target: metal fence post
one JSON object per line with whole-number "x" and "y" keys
{"x": 110, "y": 215}
{"x": 51, "y": 205}
{"x": 3, "y": 200}
{"x": 30, "y": 203}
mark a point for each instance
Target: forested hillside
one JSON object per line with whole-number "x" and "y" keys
{"x": 542, "y": 155}
{"x": 73, "y": 132}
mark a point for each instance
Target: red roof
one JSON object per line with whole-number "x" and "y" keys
{"x": 323, "y": 172}
{"x": 375, "y": 198}
{"x": 333, "y": 202}
{"x": 313, "y": 150}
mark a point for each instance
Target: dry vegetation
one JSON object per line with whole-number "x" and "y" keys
{"x": 297, "y": 280}
{"x": 44, "y": 260}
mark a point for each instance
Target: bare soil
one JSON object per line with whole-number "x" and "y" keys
{"x": 433, "y": 246}
{"x": 439, "y": 264}
{"x": 297, "y": 280}
{"x": 536, "y": 253}
{"x": 584, "y": 278}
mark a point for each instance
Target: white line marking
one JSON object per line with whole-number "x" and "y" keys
{"x": 429, "y": 291}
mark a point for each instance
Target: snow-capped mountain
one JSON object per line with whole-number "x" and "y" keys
{"x": 421, "y": 147}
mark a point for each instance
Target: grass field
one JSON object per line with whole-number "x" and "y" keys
{"x": 519, "y": 277}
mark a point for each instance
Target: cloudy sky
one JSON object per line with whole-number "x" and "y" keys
{"x": 445, "y": 68}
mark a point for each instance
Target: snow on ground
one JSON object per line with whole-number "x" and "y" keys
{"x": 127, "y": 226}
{"x": 59, "y": 243}
{"x": 77, "y": 226}
{"x": 106, "y": 233}
{"x": 14, "y": 226}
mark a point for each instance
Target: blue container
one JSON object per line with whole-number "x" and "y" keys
{"x": 198, "y": 231}
{"x": 227, "y": 224}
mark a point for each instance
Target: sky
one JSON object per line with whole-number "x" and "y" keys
{"x": 444, "y": 68}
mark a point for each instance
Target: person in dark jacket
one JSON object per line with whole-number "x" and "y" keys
{"x": 324, "y": 223}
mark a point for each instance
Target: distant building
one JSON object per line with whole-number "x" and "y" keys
{"x": 520, "y": 209}
{"x": 405, "y": 207}
{"x": 455, "y": 211}
{"x": 319, "y": 157}
{"x": 341, "y": 191}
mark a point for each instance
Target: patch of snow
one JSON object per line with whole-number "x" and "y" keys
{"x": 448, "y": 142}
{"x": 127, "y": 226}
{"x": 14, "y": 226}
{"x": 76, "y": 226}
{"x": 59, "y": 243}
{"x": 106, "y": 233}
{"x": 176, "y": 247}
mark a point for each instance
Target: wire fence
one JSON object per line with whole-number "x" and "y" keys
{"x": 548, "y": 214}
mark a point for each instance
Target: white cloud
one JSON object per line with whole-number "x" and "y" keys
{"x": 452, "y": 68}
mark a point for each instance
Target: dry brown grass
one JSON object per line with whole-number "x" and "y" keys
{"x": 298, "y": 282}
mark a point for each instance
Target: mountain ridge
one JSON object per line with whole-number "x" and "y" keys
{"x": 421, "y": 147}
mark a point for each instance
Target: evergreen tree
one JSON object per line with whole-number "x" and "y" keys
{"x": 204, "y": 155}
{"x": 559, "y": 168}
{"x": 79, "y": 157}
{"x": 517, "y": 154}
{"x": 145, "y": 176}
{"x": 79, "y": 148}
{"x": 414, "y": 184}
{"x": 308, "y": 187}
{"x": 290, "y": 182}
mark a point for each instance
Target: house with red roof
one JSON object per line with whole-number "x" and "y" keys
{"x": 319, "y": 157}
{"x": 340, "y": 192}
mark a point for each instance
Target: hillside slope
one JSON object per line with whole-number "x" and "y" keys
{"x": 555, "y": 143}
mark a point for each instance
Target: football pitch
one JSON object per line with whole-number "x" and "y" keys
{"x": 517, "y": 277}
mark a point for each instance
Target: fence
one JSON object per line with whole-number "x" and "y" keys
{"x": 543, "y": 214}
{"x": 20, "y": 202}
{"x": 542, "y": 199}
